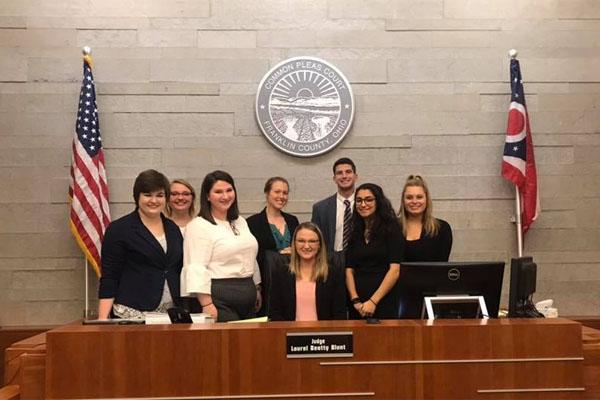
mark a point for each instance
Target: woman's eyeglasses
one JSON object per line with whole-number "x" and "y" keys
{"x": 303, "y": 242}
{"x": 366, "y": 200}
{"x": 177, "y": 194}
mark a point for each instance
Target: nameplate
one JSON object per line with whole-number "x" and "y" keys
{"x": 319, "y": 344}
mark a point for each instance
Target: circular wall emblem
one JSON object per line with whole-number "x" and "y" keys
{"x": 304, "y": 106}
{"x": 454, "y": 274}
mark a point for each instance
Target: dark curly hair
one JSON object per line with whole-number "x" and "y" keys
{"x": 384, "y": 218}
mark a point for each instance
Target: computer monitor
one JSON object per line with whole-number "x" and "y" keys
{"x": 421, "y": 279}
{"x": 523, "y": 277}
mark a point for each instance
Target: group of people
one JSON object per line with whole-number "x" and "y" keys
{"x": 344, "y": 263}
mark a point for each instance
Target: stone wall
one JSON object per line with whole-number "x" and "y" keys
{"x": 176, "y": 83}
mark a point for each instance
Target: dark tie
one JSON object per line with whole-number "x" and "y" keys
{"x": 347, "y": 224}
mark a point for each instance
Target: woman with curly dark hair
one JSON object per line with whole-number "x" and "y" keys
{"x": 373, "y": 257}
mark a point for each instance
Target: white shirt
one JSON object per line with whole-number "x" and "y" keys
{"x": 166, "y": 296}
{"x": 338, "y": 244}
{"x": 216, "y": 252}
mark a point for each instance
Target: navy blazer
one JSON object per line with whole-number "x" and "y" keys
{"x": 330, "y": 296}
{"x": 135, "y": 266}
{"x": 324, "y": 216}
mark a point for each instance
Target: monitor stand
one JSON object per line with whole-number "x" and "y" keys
{"x": 454, "y": 307}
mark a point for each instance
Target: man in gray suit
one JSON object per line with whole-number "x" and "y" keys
{"x": 333, "y": 214}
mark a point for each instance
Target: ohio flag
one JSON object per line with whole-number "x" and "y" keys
{"x": 518, "y": 162}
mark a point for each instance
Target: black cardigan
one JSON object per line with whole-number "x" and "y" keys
{"x": 330, "y": 296}
{"x": 259, "y": 226}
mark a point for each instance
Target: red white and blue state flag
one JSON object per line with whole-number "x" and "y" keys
{"x": 518, "y": 162}
{"x": 88, "y": 190}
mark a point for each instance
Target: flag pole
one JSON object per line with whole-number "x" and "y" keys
{"x": 513, "y": 54}
{"x": 86, "y": 310}
{"x": 518, "y": 222}
{"x": 87, "y": 51}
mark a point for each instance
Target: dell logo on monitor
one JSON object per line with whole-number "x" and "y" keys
{"x": 454, "y": 274}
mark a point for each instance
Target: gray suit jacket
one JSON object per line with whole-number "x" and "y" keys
{"x": 323, "y": 215}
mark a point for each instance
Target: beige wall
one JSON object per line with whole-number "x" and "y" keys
{"x": 176, "y": 84}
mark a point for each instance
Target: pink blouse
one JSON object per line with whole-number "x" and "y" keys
{"x": 306, "y": 301}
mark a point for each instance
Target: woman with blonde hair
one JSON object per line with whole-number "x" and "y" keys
{"x": 427, "y": 238}
{"x": 181, "y": 207}
{"x": 308, "y": 290}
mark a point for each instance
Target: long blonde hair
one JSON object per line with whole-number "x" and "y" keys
{"x": 430, "y": 224}
{"x": 321, "y": 269}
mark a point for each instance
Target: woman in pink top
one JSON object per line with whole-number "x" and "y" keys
{"x": 308, "y": 290}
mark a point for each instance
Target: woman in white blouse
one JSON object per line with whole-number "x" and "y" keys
{"x": 219, "y": 254}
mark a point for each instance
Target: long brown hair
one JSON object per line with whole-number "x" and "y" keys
{"x": 209, "y": 181}
{"x": 431, "y": 225}
{"x": 321, "y": 269}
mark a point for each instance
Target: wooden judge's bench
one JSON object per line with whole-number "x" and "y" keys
{"x": 444, "y": 359}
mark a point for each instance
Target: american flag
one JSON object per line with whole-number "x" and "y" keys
{"x": 88, "y": 191}
{"x": 518, "y": 162}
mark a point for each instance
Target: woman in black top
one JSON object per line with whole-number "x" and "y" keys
{"x": 426, "y": 238}
{"x": 373, "y": 256}
{"x": 307, "y": 290}
{"x": 273, "y": 230}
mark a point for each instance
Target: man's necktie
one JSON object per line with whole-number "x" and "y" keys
{"x": 347, "y": 224}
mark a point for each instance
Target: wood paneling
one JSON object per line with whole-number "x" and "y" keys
{"x": 589, "y": 321}
{"x": 10, "y": 392}
{"x": 591, "y": 364}
{"x": 395, "y": 359}
{"x": 10, "y": 335}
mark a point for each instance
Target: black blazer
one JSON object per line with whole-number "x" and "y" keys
{"x": 259, "y": 226}
{"x": 330, "y": 296}
{"x": 134, "y": 265}
{"x": 324, "y": 215}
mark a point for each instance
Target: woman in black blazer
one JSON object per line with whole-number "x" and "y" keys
{"x": 308, "y": 290}
{"x": 273, "y": 230}
{"x": 142, "y": 255}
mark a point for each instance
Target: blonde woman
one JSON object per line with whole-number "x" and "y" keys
{"x": 427, "y": 238}
{"x": 181, "y": 207}
{"x": 308, "y": 290}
